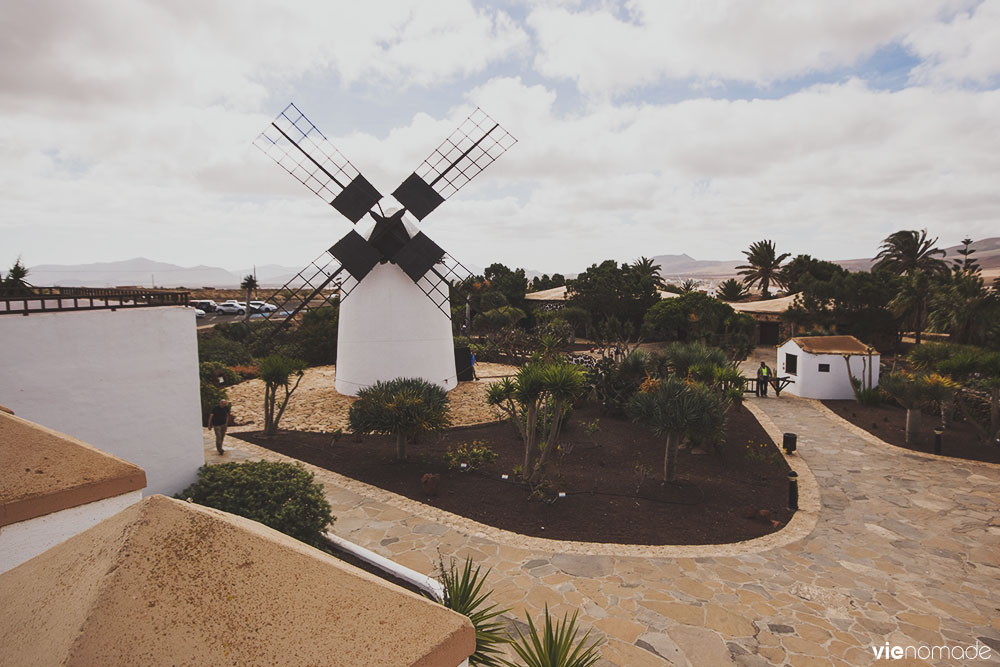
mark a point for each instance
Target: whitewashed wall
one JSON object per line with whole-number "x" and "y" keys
{"x": 125, "y": 381}
{"x": 389, "y": 328}
{"x": 24, "y": 540}
{"x": 834, "y": 385}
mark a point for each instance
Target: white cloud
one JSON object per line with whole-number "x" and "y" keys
{"x": 757, "y": 42}
{"x": 129, "y": 134}
{"x": 966, "y": 49}
{"x": 148, "y": 52}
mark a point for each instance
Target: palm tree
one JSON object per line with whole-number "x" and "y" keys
{"x": 965, "y": 308}
{"x": 404, "y": 407}
{"x": 672, "y": 409}
{"x": 910, "y": 302}
{"x": 907, "y": 251}
{"x": 14, "y": 283}
{"x": 250, "y": 285}
{"x": 909, "y": 391}
{"x": 644, "y": 267}
{"x": 732, "y": 290}
{"x": 763, "y": 266}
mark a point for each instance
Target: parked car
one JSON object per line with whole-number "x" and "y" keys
{"x": 262, "y": 307}
{"x": 231, "y": 308}
{"x": 207, "y": 305}
{"x": 199, "y": 313}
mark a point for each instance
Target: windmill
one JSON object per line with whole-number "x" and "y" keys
{"x": 394, "y": 281}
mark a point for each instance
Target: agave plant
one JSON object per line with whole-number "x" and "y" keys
{"x": 554, "y": 645}
{"x": 463, "y": 593}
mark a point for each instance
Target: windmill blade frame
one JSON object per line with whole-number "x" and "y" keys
{"x": 307, "y": 290}
{"x": 474, "y": 145}
{"x": 297, "y": 145}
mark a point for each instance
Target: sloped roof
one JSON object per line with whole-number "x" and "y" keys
{"x": 45, "y": 471}
{"x": 559, "y": 294}
{"x": 779, "y": 305}
{"x": 165, "y": 582}
{"x": 832, "y": 345}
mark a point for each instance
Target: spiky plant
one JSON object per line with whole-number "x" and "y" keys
{"x": 554, "y": 645}
{"x": 463, "y": 593}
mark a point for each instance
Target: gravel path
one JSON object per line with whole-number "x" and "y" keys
{"x": 316, "y": 405}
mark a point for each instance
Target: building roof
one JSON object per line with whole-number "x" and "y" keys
{"x": 170, "y": 582}
{"x": 45, "y": 471}
{"x": 559, "y": 294}
{"x": 832, "y": 345}
{"x": 779, "y": 305}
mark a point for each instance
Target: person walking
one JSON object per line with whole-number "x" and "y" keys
{"x": 218, "y": 419}
{"x": 763, "y": 377}
{"x": 472, "y": 359}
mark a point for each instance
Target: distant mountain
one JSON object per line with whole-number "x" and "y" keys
{"x": 139, "y": 271}
{"x": 270, "y": 274}
{"x": 145, "y": 272}
{"x": 987, "y": 253}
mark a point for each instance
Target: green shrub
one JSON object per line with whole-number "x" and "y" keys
{"x": 404, "y": 407}
{"x": 474, "y": 455}
{"x": 280, "y": 495}
{"x": 211, "y": 371}
{"x": 316, "y": 337}
{"x": 211, "y": 394}
{"x": 216, "y": 347}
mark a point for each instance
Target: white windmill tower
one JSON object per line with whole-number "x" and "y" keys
{"x": 397, "y": 321}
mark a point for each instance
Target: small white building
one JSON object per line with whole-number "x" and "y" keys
{"x": 817, "y": 365}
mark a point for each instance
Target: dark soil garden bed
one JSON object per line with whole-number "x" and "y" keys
{"x": 888, "y": 422}
{"x": 710, "y": 503}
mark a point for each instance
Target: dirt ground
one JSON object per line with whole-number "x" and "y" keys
{"x": 888, "y": 422}
{"x": 611, "y": 478}
{"x": 316, "y": 405}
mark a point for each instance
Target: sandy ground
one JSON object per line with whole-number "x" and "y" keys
{"x": 316, "y": 405}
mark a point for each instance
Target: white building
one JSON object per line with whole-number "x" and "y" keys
{"x": 818, "y": 365}
{"x": 123, "y": 379}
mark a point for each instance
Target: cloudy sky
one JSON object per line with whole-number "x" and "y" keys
{"x": 645, "y": 127}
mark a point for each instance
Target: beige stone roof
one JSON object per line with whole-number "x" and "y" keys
{"x": 559, "y": 294}
{"x": 44, "y": 471}
{"x": 779, "y": 305}
{"x": 165, "y": 582}
{"x": 832, "y": 345}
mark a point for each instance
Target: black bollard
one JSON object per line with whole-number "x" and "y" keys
{"x": 937, "y": 440}
{"x": 793, "y": 490}
{"x": 789, "y": 441}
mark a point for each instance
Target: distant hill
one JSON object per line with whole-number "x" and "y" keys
{"x": 144, "y": 272}
{"x": 987, "y": 253}
{"x": 138, "y": 271}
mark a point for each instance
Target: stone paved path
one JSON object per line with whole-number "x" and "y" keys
{"x": 905, "y": 550}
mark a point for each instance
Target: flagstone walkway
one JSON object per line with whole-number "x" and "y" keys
{"x": 904, "y": 549}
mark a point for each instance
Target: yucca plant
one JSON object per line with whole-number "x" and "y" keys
{"x": 908, "y": 390}
{"x": 555, "y": 645}
{"x": 463, "y": 593}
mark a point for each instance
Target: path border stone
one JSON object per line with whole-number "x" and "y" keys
{"x": 801, "y": 525}
{"x": 875, "y": 440}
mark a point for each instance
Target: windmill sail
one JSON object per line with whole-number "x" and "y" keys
{"x": 303, "y": 151}
{"x": 473, "y": 146}
{"x": 297, "y": 145}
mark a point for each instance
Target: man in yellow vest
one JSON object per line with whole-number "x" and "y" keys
{"x": 763, "y": 377}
